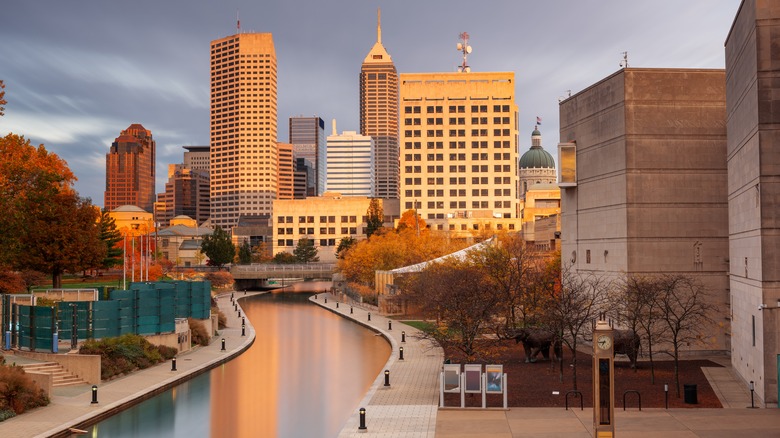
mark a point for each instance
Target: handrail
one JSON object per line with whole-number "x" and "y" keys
{"x": 582, "y": 408}
{"x": 639, "y": 396}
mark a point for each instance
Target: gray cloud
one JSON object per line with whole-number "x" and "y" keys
{"x": 77, "y": 73}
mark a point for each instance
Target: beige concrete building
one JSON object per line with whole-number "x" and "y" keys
{"x": 649, "y": 195}
{"x": 459, "y": 149}
{"x": 539, "y": 201}
{"x": 350, "y": 164}
{"x": 325, "y": 220}
{"x": 180, "y": 243}
{"x": 131, "y": 220}
{"x": 379, "y": 115}
{"x": 753, "y": 121}
{"x": 243, "y": 155}
{"x": 286, "y": 169}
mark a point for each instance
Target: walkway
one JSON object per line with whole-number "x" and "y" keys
{"x": 71, "y": 407}
{"x": 408, "y": 407}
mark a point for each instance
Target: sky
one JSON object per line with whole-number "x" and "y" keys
{"x": 79, "y": 72}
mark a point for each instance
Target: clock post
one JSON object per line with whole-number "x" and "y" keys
{"x": 603, "y": 381}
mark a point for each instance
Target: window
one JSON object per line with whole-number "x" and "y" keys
{"x": 587, "y": 256}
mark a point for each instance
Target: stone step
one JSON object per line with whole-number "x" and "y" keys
{"x": 60, "y": 376}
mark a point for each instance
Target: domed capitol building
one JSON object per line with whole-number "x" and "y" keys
{"x": 537, "y": 166}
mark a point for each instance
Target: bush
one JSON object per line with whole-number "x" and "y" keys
{"x": 220, "y": 279}
{"x": 200, "y": 336}
{"x": 6, "y": 414}
{"x": 18, "y": 392}
{"x": 125, "y": 353}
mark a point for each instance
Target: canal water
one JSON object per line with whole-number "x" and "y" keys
{"x": 303, "y": 377}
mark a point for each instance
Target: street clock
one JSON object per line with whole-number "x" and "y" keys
{"x": 603, "y": 381}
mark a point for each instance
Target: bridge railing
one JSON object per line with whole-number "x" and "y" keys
{"x": 270, "y": 267}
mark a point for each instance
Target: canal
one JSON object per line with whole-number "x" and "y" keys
{"x": 303, "y": 377}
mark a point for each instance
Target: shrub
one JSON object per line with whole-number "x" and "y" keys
{"x": 125, "y": 353}
{"x": 18, "y": 392}
{"x": 200, "y": 336}
{"x": 220, "y": 279}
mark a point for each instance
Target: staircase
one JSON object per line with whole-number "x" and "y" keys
{"x": 60, "y": 376}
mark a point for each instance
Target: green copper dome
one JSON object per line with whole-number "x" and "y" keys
{"x": 536, "y": 158}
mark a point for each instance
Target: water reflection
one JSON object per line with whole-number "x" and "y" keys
{"x": 304, "y": 375}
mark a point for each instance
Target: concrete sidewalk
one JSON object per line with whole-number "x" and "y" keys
{"x": 408, "y": 407}
{"x": 71, "y": 407}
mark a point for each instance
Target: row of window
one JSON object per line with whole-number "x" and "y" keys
{"x": 438, "y": 109}
{"x": 310, "y": 231}
{"x": 456, "y": 121}
{"x": 323, "y": 219}
{"x": 289, "y": 242}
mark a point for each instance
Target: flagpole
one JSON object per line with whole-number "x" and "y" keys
{"x": 124, "y": 262}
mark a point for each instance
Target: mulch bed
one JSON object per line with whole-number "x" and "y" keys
{"x": 534, "y": 384}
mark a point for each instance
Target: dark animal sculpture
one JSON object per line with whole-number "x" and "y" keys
{"x": 627, "y": 342}
{"x": 535, "y": 341}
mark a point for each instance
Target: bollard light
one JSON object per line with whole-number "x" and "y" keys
{"x": 369, "y": 316}
{"x": 752, "y": 388}
{"x": 387, "y": 377}
{"x": 231, "y": 295}
{"x": 350, "y": 310}
{"x": 337, "y": 304}
{"x": 243, "y": 329}
{"x": 94, "y": 394}
{"x": 403, "y": 336}
{"x": 173, "y": 364}
{"x": 223, "y": 344}
{"x": 666, "y": 396}
{"x": 315, "y": 296}
{"x": 401, "y": 353}
{"x": 390, "y": 324}
{"x": 326, "y": 301}
{"x": 239, "y": 313}
{"x": 243, "y": 320}
{"x": 362, "y": 419}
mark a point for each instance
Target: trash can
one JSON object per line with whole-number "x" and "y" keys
{"x": 690, "y": 394}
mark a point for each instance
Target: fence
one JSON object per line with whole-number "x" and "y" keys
{"x": 145, "y": 308}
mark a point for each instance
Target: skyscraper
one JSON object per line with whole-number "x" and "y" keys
{"x": 243, "y": 158}
{"x": 379, "y": 115}
{"x": 350, "y": 164}
{"x": 130, "y": 170}
{"x": 286, "y": 169}
{"x": 186, "y": 193}
{"x": 307, "y": 135}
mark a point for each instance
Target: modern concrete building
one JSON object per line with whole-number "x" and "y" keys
{"x": 243, "y": 155}
{"x": 325, "y": 220}
{"x": 647, "y": 191}
{"x": 379, "y": 115}
{"x": 539, "y": 201}
{"x": 186, "y": 193}
{"x": 307, "y": 135}
{"x": 286, "y": 169}
{"x": 130, "y": 170}
{"x": 304, "y": 173}
{"x": 459, "y": 148}
{"x": 181, "y": 243}
{"x": 753, "y": 124}
{"x": 351, "y": 164}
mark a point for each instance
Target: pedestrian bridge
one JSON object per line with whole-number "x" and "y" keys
{"x": 257, "y": 276}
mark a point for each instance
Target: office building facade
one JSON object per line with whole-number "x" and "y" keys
{"x": 379, "y": 115}
{"x": 307, "y": 135}
{"x": 130, "y": 170}
{"x": 459, "y": 149}
{"x": 350, "y": 164}
{"x": 243, "y": 154}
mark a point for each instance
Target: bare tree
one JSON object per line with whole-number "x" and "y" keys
{"x": 684, "y": 310}
{"x": 636, "y": 306}
{"x": 461, "y": 298}
{"x": 572, "y": 308}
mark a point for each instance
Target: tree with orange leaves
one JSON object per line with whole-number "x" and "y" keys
{"x": 46, "y": 226}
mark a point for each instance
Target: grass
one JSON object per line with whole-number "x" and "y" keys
{"x": 421, "y": 325}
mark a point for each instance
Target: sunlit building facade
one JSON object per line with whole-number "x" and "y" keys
{"x": 350, "y": 164}
{"x": 379, "y": 115}
{"x": 459, "y": 150}
{"x": 130, "y": 170}
{"x": 243, "y": 155}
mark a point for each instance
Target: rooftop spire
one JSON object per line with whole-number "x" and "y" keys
{"x": 379, "y": 25}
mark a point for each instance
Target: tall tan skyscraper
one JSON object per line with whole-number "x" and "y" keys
{"x": 243, "y": 155}
{"x": 379, "y": 115}
{"x": 130, "y": 170}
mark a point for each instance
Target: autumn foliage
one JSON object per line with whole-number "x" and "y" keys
{"x": 18, "y": 392}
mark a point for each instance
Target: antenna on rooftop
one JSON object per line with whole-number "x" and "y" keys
{"x": 465, "y": 48}
{"x": 624, "y": 62}
{"x": 238, "y": 23}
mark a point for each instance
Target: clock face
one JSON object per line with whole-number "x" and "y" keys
{"x": 604, "y": 342}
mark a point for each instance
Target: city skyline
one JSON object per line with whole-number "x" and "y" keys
{"x": 65, "y": 79}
